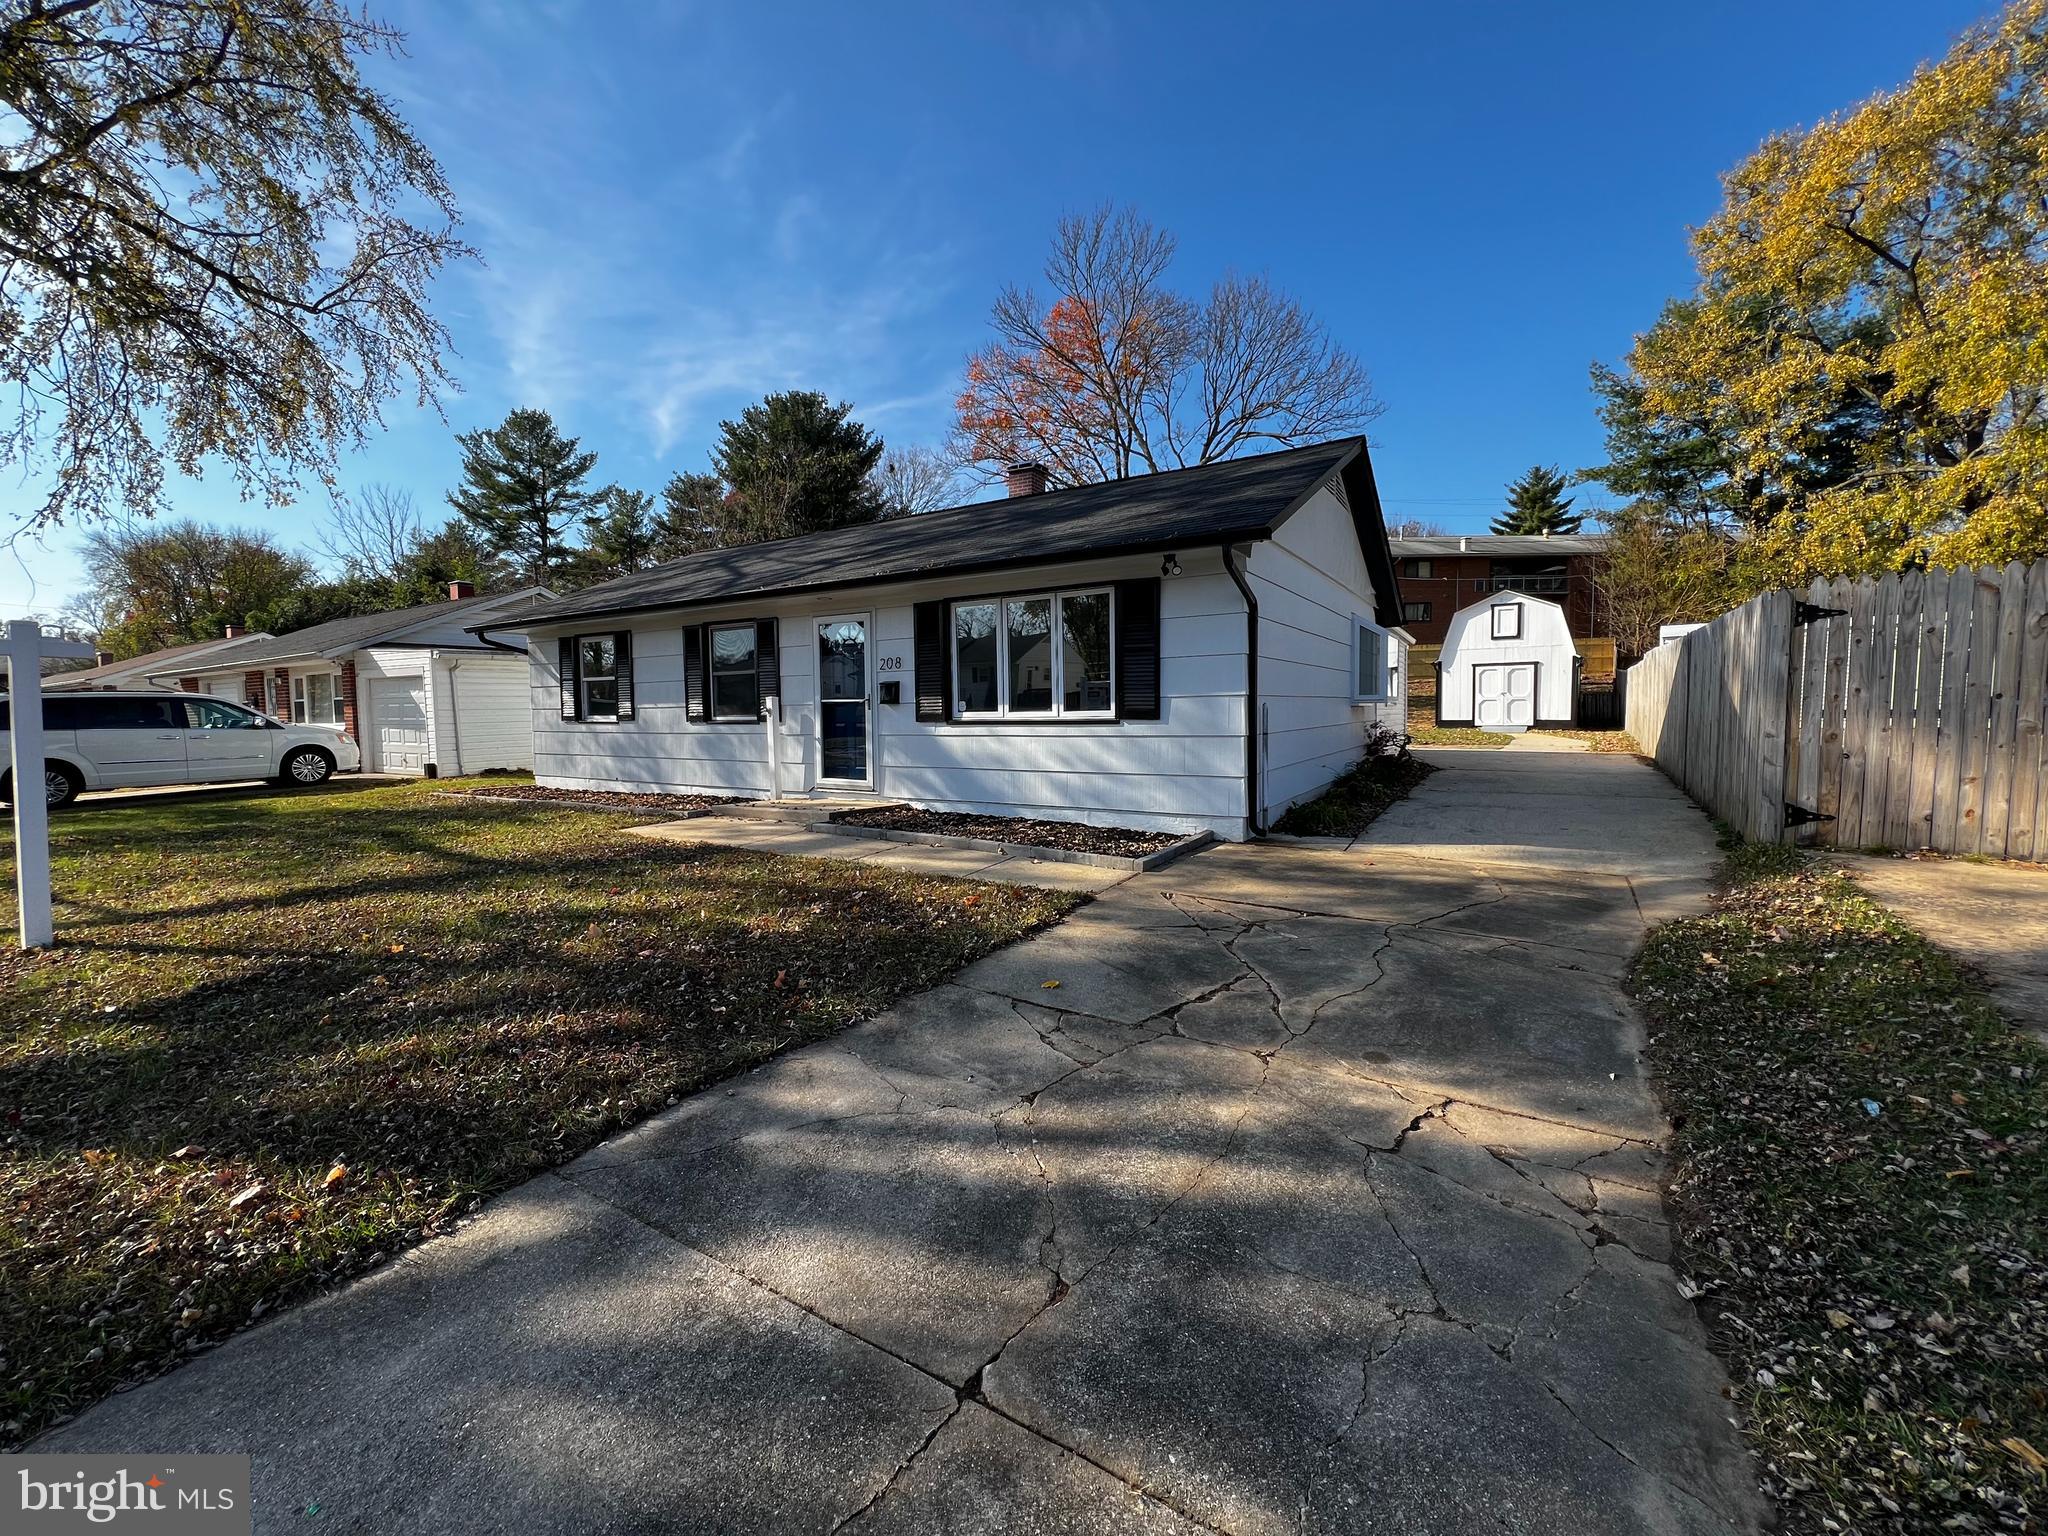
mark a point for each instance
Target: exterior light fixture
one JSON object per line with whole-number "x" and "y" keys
{"x": 1170, "y": 566}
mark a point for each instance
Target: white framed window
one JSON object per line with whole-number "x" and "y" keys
{"x": 597, "y": 677}
{"x": 1372, "y": 662}
{"x": 734, "y": 680}
{"x": 1036, "y": 656}
{"x": 1507, "y": 621}
{"x": 316, "y": 699}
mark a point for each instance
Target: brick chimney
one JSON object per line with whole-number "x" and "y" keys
{"x": 231, "y": 631}
{"x": 458, "y": 590}
{"x": 1025, "y": 479}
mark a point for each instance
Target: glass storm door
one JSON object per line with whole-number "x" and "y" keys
{"x": 843, "y": 700}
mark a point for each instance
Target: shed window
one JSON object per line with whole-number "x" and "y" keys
{"x": 597, "y": 677}
{"x": 1372, "y": 656}
{"x": 735, "y": 681}
{"x": 1507, "y": 621}
{"x": 1045, "y": 654}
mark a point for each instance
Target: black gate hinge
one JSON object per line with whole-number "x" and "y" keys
{"x": 1799, "y": 815}
{"x": 1804, "y": 612}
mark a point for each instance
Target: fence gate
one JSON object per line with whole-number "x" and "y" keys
{"x": 1901, "y": 713}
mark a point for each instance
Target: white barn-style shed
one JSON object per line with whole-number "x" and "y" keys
{"x": 1508, "y": 664}
{"x": 1190, "y": 651}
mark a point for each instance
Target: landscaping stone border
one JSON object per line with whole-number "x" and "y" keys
{"x": 1039, "y": 851}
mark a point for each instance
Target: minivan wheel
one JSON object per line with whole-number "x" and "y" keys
{"x": 306, "y": 765}
{"x": 61, "y": 785}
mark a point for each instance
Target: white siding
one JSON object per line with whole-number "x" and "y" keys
{"x": 1310, "y": 580}
{"x": 496, "y": 727}
{"x": 1182, "y": 772}
{"x": 483, "y": 716}
{"x": 1545, "y": 640}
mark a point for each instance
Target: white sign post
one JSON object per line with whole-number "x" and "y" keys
{"x": 26, "y": 646}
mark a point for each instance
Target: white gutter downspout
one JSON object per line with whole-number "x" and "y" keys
{"x": 454, "y": 714}
{"x": 771, "y": 707}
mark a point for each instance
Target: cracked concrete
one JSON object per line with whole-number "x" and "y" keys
{"x": 1319, "y": 1194}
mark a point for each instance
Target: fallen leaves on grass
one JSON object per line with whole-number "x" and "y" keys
{"x": 229, "y": 1085}
{"x": 1859, "y": 1186}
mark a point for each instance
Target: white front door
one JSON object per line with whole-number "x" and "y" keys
{"x": 843, "y": 745}
{"x": 398, "y": 723}
{"x": 1504, "y": 696}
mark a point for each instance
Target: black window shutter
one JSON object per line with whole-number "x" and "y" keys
{"x": 570, "y": 692}
{"x": 693, "y": 672}
{"x": 1137, "y": 649}
{"x": 932, "y": 669}
{"x": 767, "y": 666}
{"x": 622, "y": 649}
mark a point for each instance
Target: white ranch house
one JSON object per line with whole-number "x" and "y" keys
{"x": 1189, "y": 651}
{"x": 419, "y": 692}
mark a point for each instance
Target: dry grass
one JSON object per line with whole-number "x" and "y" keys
{"x": 1860, "y": 1191}
{"x": 285, "y": 1035}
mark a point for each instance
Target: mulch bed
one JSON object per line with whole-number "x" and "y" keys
{"x": 1073, "y": 836}
{"x": 1355, "y": 798}
{"x": 624, "y": 800}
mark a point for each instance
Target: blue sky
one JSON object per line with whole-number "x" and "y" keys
{"x": 680, "y": 207}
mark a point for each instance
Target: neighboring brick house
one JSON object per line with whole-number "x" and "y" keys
{"x": 416, "y": 689}
{"x": 1442, "y": 573}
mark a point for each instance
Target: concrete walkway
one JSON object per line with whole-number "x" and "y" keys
{"x": 1287, "y": 1189}
{"x": 1993, "y": 915}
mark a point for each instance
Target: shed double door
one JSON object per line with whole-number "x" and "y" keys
{"x": 1504, "y": 696}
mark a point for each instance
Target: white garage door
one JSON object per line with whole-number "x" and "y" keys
{"x": 398, "y": 724}
{"x": 225, "y": 688}
{"x": 1504, "y": 696}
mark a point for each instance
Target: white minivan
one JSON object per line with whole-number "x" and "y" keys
{"x": 120, "y": 740}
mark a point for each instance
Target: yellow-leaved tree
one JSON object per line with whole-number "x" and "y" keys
{"x": 1869, "y": 342}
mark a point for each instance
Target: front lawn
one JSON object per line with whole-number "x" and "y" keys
{"x": 1861, "y": 1195}
{"x": 286, "y": 1035}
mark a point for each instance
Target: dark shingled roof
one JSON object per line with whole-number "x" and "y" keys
{"x": 348, "y": 634}
{"x": 1226, "y": 503}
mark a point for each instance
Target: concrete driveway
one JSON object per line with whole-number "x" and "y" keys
{"x": 1288, "y": 1189}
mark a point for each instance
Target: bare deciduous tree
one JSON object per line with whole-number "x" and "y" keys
{"x": 917, "y": 479}
{"x": 375, "y": 533}
{"x": 207, "y": 245}
{"x": 1120, "y": 374}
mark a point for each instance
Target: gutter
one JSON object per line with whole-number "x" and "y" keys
{"x": 1251, "y": 692}
{"x": 482, "y": 632}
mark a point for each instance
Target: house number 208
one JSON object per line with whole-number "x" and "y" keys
{"x": 890, "y": 663}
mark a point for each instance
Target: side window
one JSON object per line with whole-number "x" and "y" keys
{"x": 735, "y": 684}
{"x": 1371, "y": 662}
{"x": 597, "y": 667}
{"x": 212, "y": 715}
{"x": 110, "y": 714}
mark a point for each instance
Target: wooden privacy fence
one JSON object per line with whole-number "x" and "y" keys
{"x": 1904, "y": 712}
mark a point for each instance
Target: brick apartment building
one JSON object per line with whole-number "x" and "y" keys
{"x": 1442, "y": 573}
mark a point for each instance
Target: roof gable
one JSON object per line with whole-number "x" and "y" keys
{"x": 338, "y": 636}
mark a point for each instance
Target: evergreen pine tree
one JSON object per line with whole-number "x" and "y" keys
{"x": 1537, "y": 504}
{"x": 523, "y": 490}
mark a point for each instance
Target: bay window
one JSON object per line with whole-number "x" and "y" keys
{"x": 1038, "y": 655}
